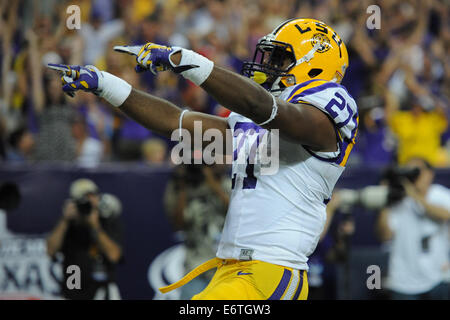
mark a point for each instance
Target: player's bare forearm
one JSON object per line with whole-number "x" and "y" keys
{"x": 152, "y": 112}
{"x": 162, "y": 116}
{"x": 239, "y": 94}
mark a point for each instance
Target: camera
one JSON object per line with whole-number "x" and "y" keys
{"x": 79, "y": 192}
{"x": 378, "y": 197}
{"x": 394, "y": 177}
{"x": 190, "y": 174}
{"x": 370, "y": 197}
{"x": 84, "y": 206}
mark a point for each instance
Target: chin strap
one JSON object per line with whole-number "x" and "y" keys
{"x": 276, "y": 88}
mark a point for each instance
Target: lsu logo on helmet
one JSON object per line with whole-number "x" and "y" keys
{"x": 322, "y": 41}
{"x": 297, "y": 50}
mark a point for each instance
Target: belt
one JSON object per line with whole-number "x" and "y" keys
{"x": 208, "y": 265}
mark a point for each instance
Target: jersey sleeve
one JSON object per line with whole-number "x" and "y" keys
{"x": 233, "y": 118}
{"x": 334, "y": 100}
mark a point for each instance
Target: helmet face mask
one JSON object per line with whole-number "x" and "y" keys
{"x": 274, "y": 59}
{"x": 298, "y": 50}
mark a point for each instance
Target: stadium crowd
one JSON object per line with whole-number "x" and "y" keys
{"x": 399, "y": 74}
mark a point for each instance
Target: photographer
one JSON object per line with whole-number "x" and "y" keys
{"x": 417, "y": 224}
{"x": 89, "y": 235}
{"x": 196, "y": 202}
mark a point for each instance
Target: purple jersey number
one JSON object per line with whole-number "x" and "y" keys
{"x": 247, "y": 129}
{"x": 339, "y": 102}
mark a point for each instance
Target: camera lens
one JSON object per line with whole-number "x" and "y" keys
{"x": 84, "y": 206}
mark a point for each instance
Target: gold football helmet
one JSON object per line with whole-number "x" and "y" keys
{"x": 297, "y": 50}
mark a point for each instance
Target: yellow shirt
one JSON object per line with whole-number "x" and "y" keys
{"x": 420, "y": 136}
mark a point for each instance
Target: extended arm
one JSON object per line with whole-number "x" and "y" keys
{"x": 152, "y": 112}
{"x": 302, "y": 123}
{"x": 299, "y": 122}
{"x": 163, "y": 116}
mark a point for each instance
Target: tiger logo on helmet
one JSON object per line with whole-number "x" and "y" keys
{"x": 296, "y": 51}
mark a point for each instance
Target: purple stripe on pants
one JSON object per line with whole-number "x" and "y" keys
{"x": 300, "y": 285}
{"x": 278, "y": 293}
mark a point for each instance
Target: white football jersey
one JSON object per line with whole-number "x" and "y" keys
{"x": 278, "y": 216}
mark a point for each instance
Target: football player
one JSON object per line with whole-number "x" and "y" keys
{"x": 274, "y": 221}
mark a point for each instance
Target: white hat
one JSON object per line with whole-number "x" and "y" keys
{"x": 79, "y": 188}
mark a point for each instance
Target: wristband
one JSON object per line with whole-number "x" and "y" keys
{"x": 113, "y": 89}
{"x": 180, "y": 124}
{"x": 193, "y": 66}
{"x": 274, "y": 112}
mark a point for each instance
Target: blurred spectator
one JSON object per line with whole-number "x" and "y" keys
{"x": 97, "y": 33}
{"x": 418, "y": 128}
{"x": 99, "y": 118}
{"x": 417, "y": 225}
{"x": 54, "y": 140}
{"x": 89, "y": 235}
{"x": 376, "y": 143}
{"x": 196, "y": 98}
{"x": 408, "y": 55}
{"x": 154, "y": 151}
{"x": 21, "y": 143}
{"x": 11, "y": 99}
{"x": 89, "y": 151}
{"x": 196, "y": 201}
